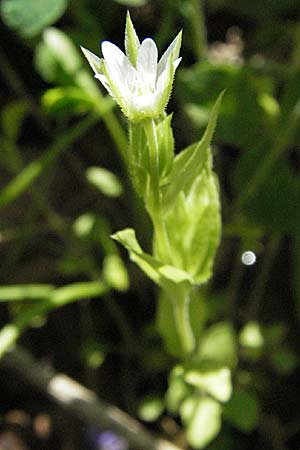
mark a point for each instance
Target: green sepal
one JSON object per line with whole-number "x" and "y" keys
{"x": 164, "y": 275}
{"x": 166, "y": 145}
{"x": 138, "y": 159}
{"x": 94, "y": 61}
{"x": 190, "y": 162}
{"x": 132, "y": 42}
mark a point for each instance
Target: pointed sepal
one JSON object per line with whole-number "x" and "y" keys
{"x": 132, "y": 43}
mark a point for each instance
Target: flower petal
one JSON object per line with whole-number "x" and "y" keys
{"x": 104, "y": 82}
{"x": 116, "y": 62}
{"x": 147, "y": 63}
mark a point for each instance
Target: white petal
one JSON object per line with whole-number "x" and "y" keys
{"x": 105, "y": 82}
{"x": 174, "y": 48}
{"x": 117, "y": 63}
{"x": 147, "y": 62}
{"x": 93, "y": 60}
{"x": 176, "y": 63}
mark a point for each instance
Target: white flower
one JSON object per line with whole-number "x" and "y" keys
{"x": 139, "y": 83}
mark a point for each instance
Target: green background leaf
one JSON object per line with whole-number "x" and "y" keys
{"x": 30, "y": 17}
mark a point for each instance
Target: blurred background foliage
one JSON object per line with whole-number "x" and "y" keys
{"x": 64, "y": 190}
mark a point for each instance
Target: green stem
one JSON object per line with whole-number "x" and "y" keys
{"x": 162, "y": 246}
{"x": 198, "y": 28}
{"x": 182, "y": 321}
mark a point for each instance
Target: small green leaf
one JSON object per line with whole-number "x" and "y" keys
{"x": 105, "y": 181}
{"x": 30, "y": 17}
{"x": 115, "y": 272}
{"x": 202, "y": 417}
{"x": 251, "y": 336}
{"x": 84, "y": 225}
{"x": 177, "y": 391}
{"x": 164, "y": 275}
{"x": 219, "y": 343}
{"x": 132, "y": 42}
{"x": 210, "y": 379}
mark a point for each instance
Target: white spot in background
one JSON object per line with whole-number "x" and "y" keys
{"x": 248, "y": 258}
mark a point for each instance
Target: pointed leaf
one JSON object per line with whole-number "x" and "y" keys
{"x": 189, "y": 163}
{"x": 164, "y": 275}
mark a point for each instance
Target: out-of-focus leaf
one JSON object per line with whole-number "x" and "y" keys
{"x": 150, "y": 408}
{"x": 56, "y": 299}
{"x": 284, "y": 361}
{"x": 251, "y": 336}
{"x": 84, "y": 225}
{"x": 219, "y": 344}
{"x": 104, "y": 180}
{"x": 50, "y": 58}
{"x": 210, "y": 379}
{"x": 115, "y": 273}
{"x": 68, "y": 101}
{"x": 53, "y": 65}
{"x": 30, "y": 17}
{"x": 177, "y": 391}
{"x": 12, "y": 117}
{"x": 252, "y": 341}
{"x": 92, "y": 354}
{"x": 33, "y": 170}
{"x": 242, "y": 410}
{"x": 202, "y": 417}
